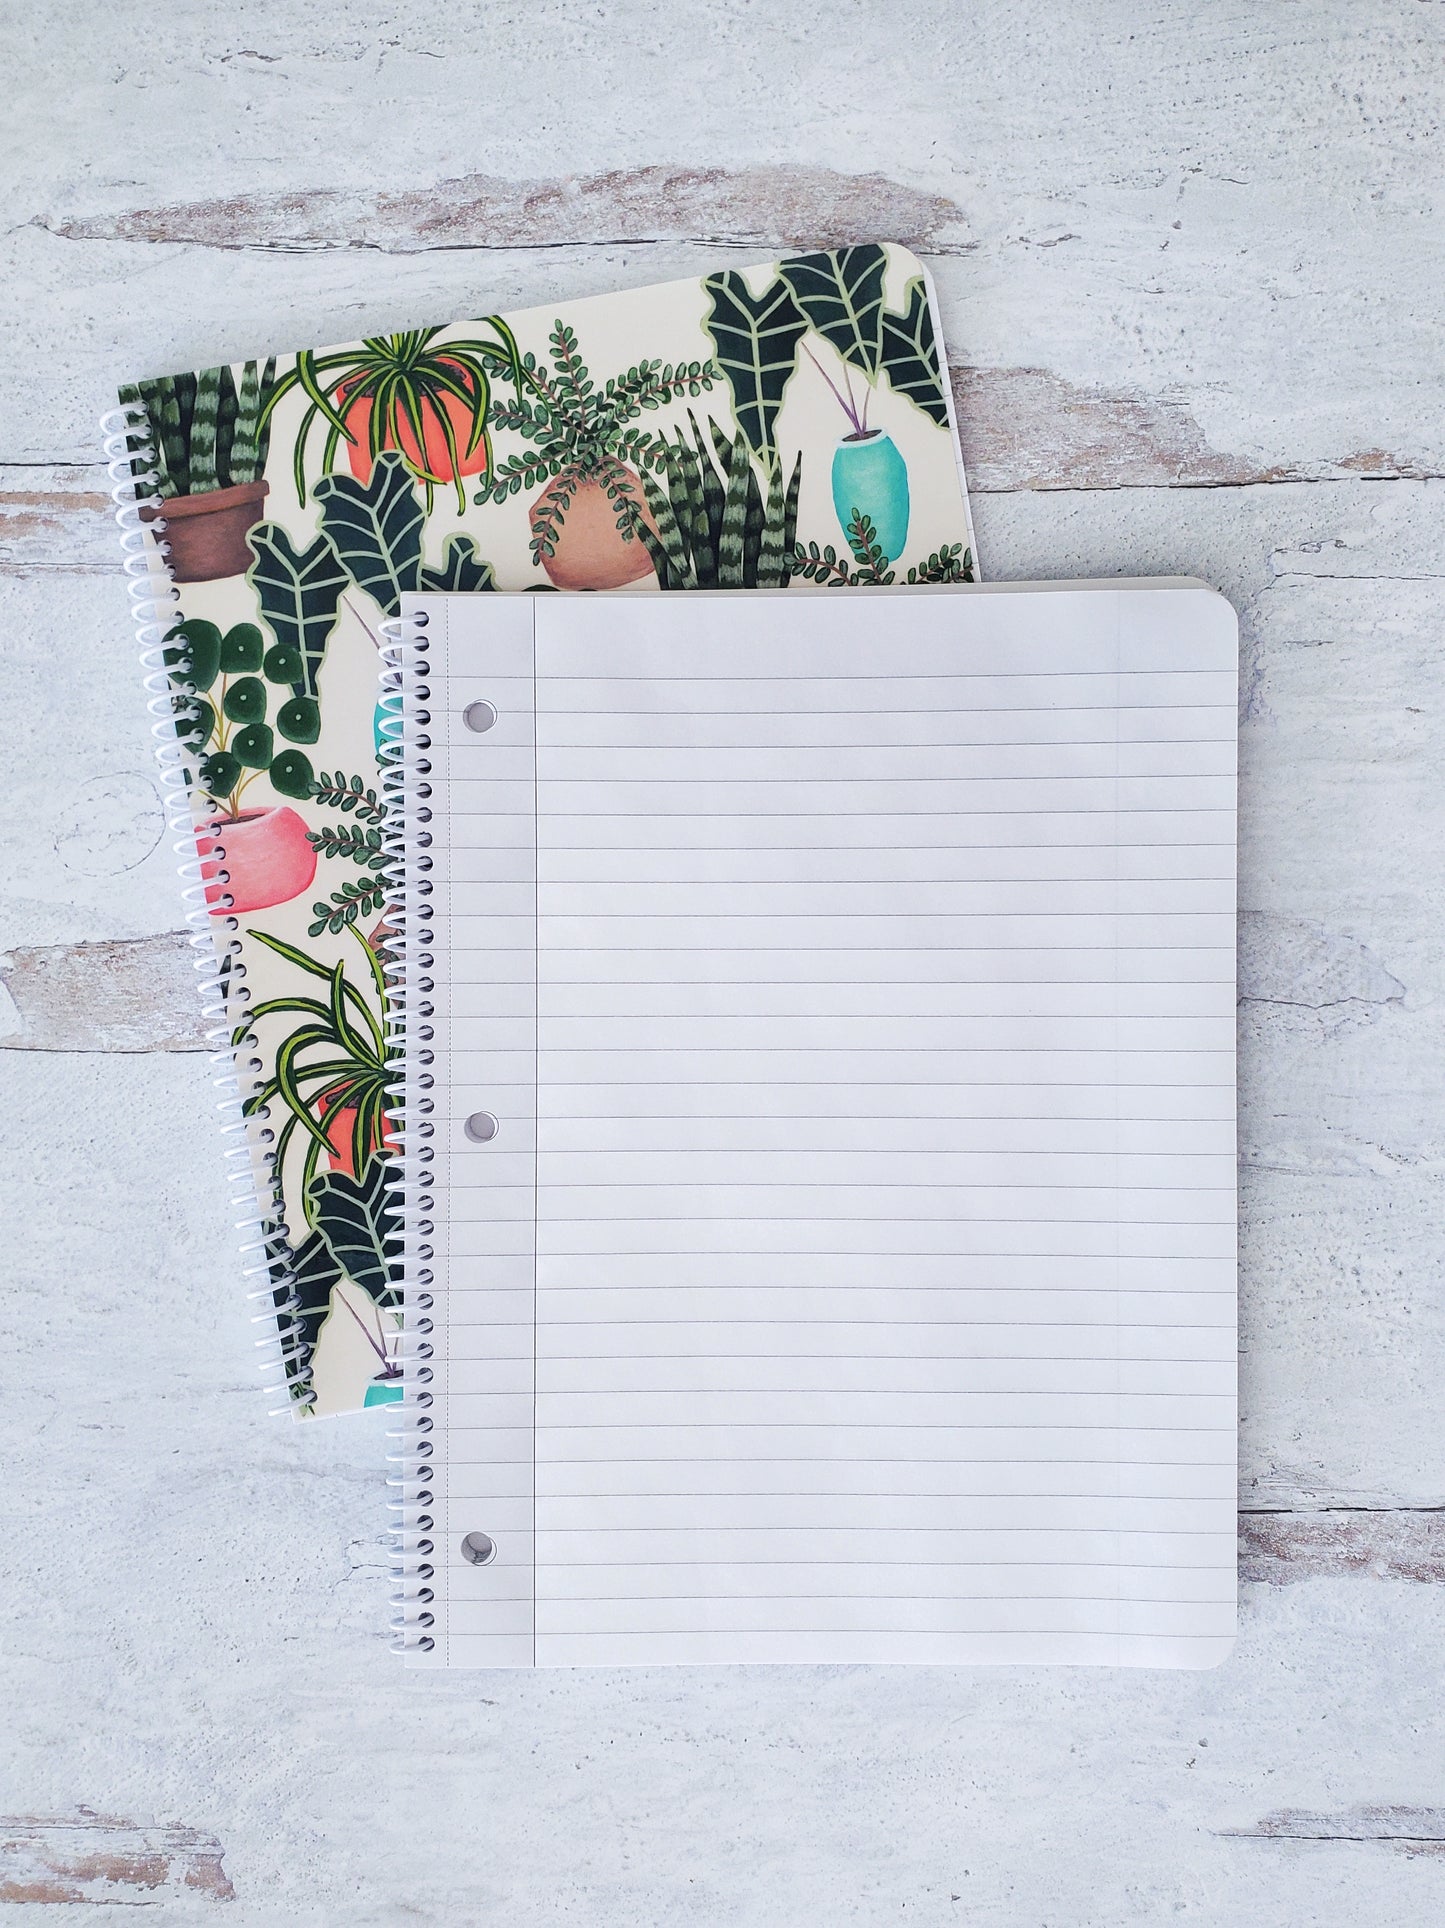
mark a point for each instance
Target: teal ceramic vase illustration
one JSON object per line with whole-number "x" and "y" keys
{"x": 869, "y": 474}
{"x": 382, "y": 1392}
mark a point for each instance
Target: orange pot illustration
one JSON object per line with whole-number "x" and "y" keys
{"x": 449, "y": 418}
{"x": 337, "y": 1119}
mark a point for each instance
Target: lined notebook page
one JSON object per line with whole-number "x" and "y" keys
{"x": 852, "y": 979}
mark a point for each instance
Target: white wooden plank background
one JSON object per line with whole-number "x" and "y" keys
{"x": 1191, "y": 264}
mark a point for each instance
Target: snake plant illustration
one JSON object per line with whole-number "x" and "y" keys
{"x": 207, "y": 437}
{"x": 207, "y": 431}
{"x": 425, "y": 398}
{"x": 711, "y": 526}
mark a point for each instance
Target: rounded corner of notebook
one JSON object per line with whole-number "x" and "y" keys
{"x": 1220, "y": 608}
{"x": 1208, "y": 1656}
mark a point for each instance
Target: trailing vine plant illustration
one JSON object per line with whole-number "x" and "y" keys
{"x": 951, "y": 563}
{"x": 358, "y": 841}
{"x": 584, "y": 437}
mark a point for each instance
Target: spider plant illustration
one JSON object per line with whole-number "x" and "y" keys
{"x": 331, "y": 1072}
{"x": 425, "y": 398}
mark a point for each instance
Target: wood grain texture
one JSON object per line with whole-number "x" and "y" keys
{"x": 1189, "y": 264}
{"x": 203, "y": 1639}
{"x": 1282, "y": 1549}
{"x": 785, "y": 205}
{"x": 97, "y": 1860}
{"x": 138, "y": 994}
{"x": 1411, "y": 1830}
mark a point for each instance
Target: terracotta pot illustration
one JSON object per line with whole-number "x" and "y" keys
{"x": 265, "y": 855}
{"x": 207, "y": 533}
{"x": 870, "y": 474}
{"x": 590, "y": 551}
{"x": 337, "y": 1119}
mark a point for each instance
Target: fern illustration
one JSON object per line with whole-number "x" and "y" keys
{"x": 827, "y": 567}
{"x": 951, "y": 563}
{"x": 359, "y": 841}
{"x": 355, "y": 899}
{"x": 583, "y": 433}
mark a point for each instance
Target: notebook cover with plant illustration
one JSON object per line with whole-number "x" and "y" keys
{"x": 785, "y": 425}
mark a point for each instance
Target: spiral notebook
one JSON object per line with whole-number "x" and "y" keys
{"x": 817, "y": 1037}
{"x": 782, "y": 423}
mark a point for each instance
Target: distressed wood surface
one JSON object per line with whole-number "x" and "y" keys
{"x": 1189, "y": 263}
{"x": 100, "y": 1861}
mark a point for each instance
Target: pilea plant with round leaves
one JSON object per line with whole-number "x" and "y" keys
{"x": 226, "y": 687}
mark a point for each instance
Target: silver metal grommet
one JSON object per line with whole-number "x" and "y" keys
{"x": 479, "y": 716}
{"x": 481, "y": 1127}
{"x": 479, "y": 1549}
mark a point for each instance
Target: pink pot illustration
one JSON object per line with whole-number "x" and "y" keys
{"x": 264, "y": 856}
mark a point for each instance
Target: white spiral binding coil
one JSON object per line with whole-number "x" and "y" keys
{"x": 131, "y": 460}
{"x": 405, "y": 769}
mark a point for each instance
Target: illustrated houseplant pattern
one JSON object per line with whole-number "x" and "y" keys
{"x": 588, "y": 523}
{"x": 208, "y": 437}
{"x": 679, "y": 437}
{"x": 424, "y": 398}
{"x": 328, "y": 1093}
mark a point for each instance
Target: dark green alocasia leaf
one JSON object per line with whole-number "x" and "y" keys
{"x": 841, "y": 293}
{"x": 357, "y": 1219}
{"x": 291, "y": 774}
{"x": 254, "y": 746}
{"x": 299, "y": 721}
{"x": 910, "y": 354}
{"x": 375, "y": 528}
{"x": 299, "y": 592}
{"x": 283, "y": 664}
{"x": 303, "y": 1310}
{"x": 194, "y": 655}
{"x": 462, "y": 570}
{"x": 220, "y": 773}
{"x": 242, "y": 648}
{"x": 245, "y": 702}
{"x": 756, "y": 340}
